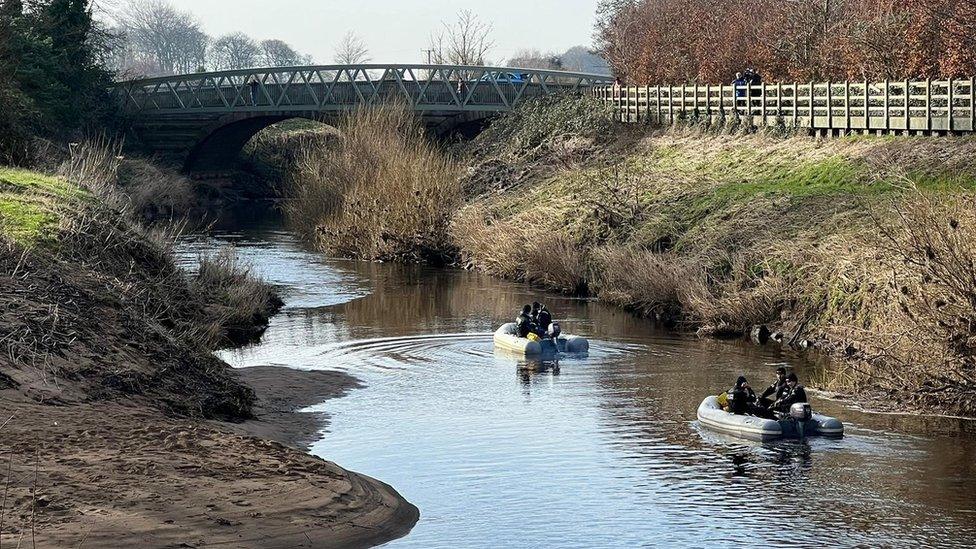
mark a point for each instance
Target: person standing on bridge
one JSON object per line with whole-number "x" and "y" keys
{"x": 254, "y": 85}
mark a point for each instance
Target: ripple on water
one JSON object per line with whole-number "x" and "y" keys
{"x": 597, "y": 451}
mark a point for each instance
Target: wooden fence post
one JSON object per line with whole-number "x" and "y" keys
{"x": 908, "y": 106}
{"x": 796, "y": 113}
{"x": 812, "y": 110}
{"x": 647, "y": 104}
{"x": 636, "y": 104}
{"x": 928, "y": 104}
{"x": 682, "y": 111}
{"x": 867, "y": 106}
{"x": 762, "y": 102}
{"x": 847, "y": 106}
{"x": 779, "y": 100}
{"x": 951, "y": 125}
{"x": 830, "y": 108}
{"x": 972, "y": 103}
{"x": 887, "y": 113}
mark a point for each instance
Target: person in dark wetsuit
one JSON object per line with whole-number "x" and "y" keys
{"x": 544, "y": 320}
{"x": 776, "y": 390}
{"x": 524, "y": 324}
{"x": 741, "y": 396}
{"x": 794, "y": 393}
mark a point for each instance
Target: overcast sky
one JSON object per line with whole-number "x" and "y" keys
{"x": 395, "y": 31}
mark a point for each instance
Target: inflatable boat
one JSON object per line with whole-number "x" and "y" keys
{"x": 507, "y": 338}
{"x": 799, "y": 423}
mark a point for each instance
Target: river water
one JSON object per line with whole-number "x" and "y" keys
{"x": 599, "y": 451}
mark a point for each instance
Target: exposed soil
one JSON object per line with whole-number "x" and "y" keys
{"x": 112, "y": 407}
{"x": 110, "y": 474}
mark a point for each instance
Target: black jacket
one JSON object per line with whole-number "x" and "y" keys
{"x": 776, "y": 390}
{"x": 524, "y": 325}
{"x": 544, "y": 319}
{"x": 740, "y": 398}
{"x": 798, "y": 394}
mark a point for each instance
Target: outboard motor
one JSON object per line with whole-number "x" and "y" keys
{"x": 801, "y": 413}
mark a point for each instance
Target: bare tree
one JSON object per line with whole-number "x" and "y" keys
{"x": 535, "y": 59}
{"x": 581, "y": 59}
{"x": 158, "y": 39}
{"x": 351, "y": 50}
{"x": 234, "y": 51}
{"x": 464, "y": 42}
{"x": 278, "y": 53}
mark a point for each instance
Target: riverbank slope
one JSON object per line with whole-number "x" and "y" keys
{"x": 861, "y": 247}
{"x": 858, "y": 246}
{"x": 115, "y": 416}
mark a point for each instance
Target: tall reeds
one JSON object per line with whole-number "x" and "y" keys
{"x": 383, "y": 191}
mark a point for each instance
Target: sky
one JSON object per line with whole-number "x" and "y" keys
{"x": 395, "y": 31}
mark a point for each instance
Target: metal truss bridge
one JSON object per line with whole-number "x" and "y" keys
{"x": 204, "y": 119}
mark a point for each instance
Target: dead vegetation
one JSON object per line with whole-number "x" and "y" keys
{"x": 385, "y": 191}
{"x": 860, "y": 246}
{"x": 94, "y": 306}
{"x": 239, "y": 305}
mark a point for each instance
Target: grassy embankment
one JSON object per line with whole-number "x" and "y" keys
{"x": 96, "y": 306}
{"x": 107, "y": 378}
{"x": 861, "y": 246}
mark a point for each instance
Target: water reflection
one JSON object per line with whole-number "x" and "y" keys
{"x": 595, "y": 451}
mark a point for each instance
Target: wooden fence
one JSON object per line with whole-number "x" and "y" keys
{"x": 920, "y": 107}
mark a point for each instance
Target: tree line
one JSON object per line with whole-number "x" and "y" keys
{"x": 53, "y": 78}
{"x": 153, "y": 38}
{"x": 664, "y": 41}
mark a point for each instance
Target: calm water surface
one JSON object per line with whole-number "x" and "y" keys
{"x": 601, "y": 451}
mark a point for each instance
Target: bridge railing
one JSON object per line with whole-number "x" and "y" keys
{"x": 891, "y": 106}
{"x": 340, "y": 87}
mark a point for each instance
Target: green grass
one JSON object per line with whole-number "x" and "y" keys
{"x": 31, "y": 205}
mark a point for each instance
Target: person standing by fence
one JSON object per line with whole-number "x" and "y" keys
{"x": 740, "y": 91}
{"x": 754, "y": 82}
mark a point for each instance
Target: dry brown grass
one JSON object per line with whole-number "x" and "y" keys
{"x": 914, "y": 334}
{"x": 135, "y": 186}
{"x": 239, "y": 303}
{"x": 385, "y": 192}
{"x": 644, "y": 282}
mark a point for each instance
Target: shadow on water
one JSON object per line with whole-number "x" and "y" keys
{"x": 602, "y": 450}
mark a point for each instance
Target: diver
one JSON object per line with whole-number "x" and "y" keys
{"x": 741, "y": 396}
{"x": 543, "y": 320}
{"x": 524, "y": 325}
{"x": 776, "y": 390}
{"x": 794, "y": 393}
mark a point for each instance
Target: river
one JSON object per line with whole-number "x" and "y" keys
{"x": 600, "y": 451}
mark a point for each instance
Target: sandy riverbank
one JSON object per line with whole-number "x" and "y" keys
{"x": 120, "y": 475}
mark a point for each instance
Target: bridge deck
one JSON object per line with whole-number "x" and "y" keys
{"x": 426, "y": 88}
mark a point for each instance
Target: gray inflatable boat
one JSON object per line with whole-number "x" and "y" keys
{"x": 801, "y": 422}
{"x": 506, "y": 337}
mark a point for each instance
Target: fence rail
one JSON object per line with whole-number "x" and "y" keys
{"x": 926, "y": 106}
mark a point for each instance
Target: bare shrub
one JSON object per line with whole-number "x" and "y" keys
{"x": 499, "y": 246}
{"x": 554, "y": 261}
{"x": 386, "y": 192}
{"x": 647, "y": 283}
{"x": 154, "y": 190}
{"x": 925, "y": 344}
{"x": 239, "y": 303}
{"x": 93, "y": 164}
{"x": 137, "y": 185}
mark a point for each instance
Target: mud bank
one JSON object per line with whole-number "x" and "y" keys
{"x": 111, "y": 402}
